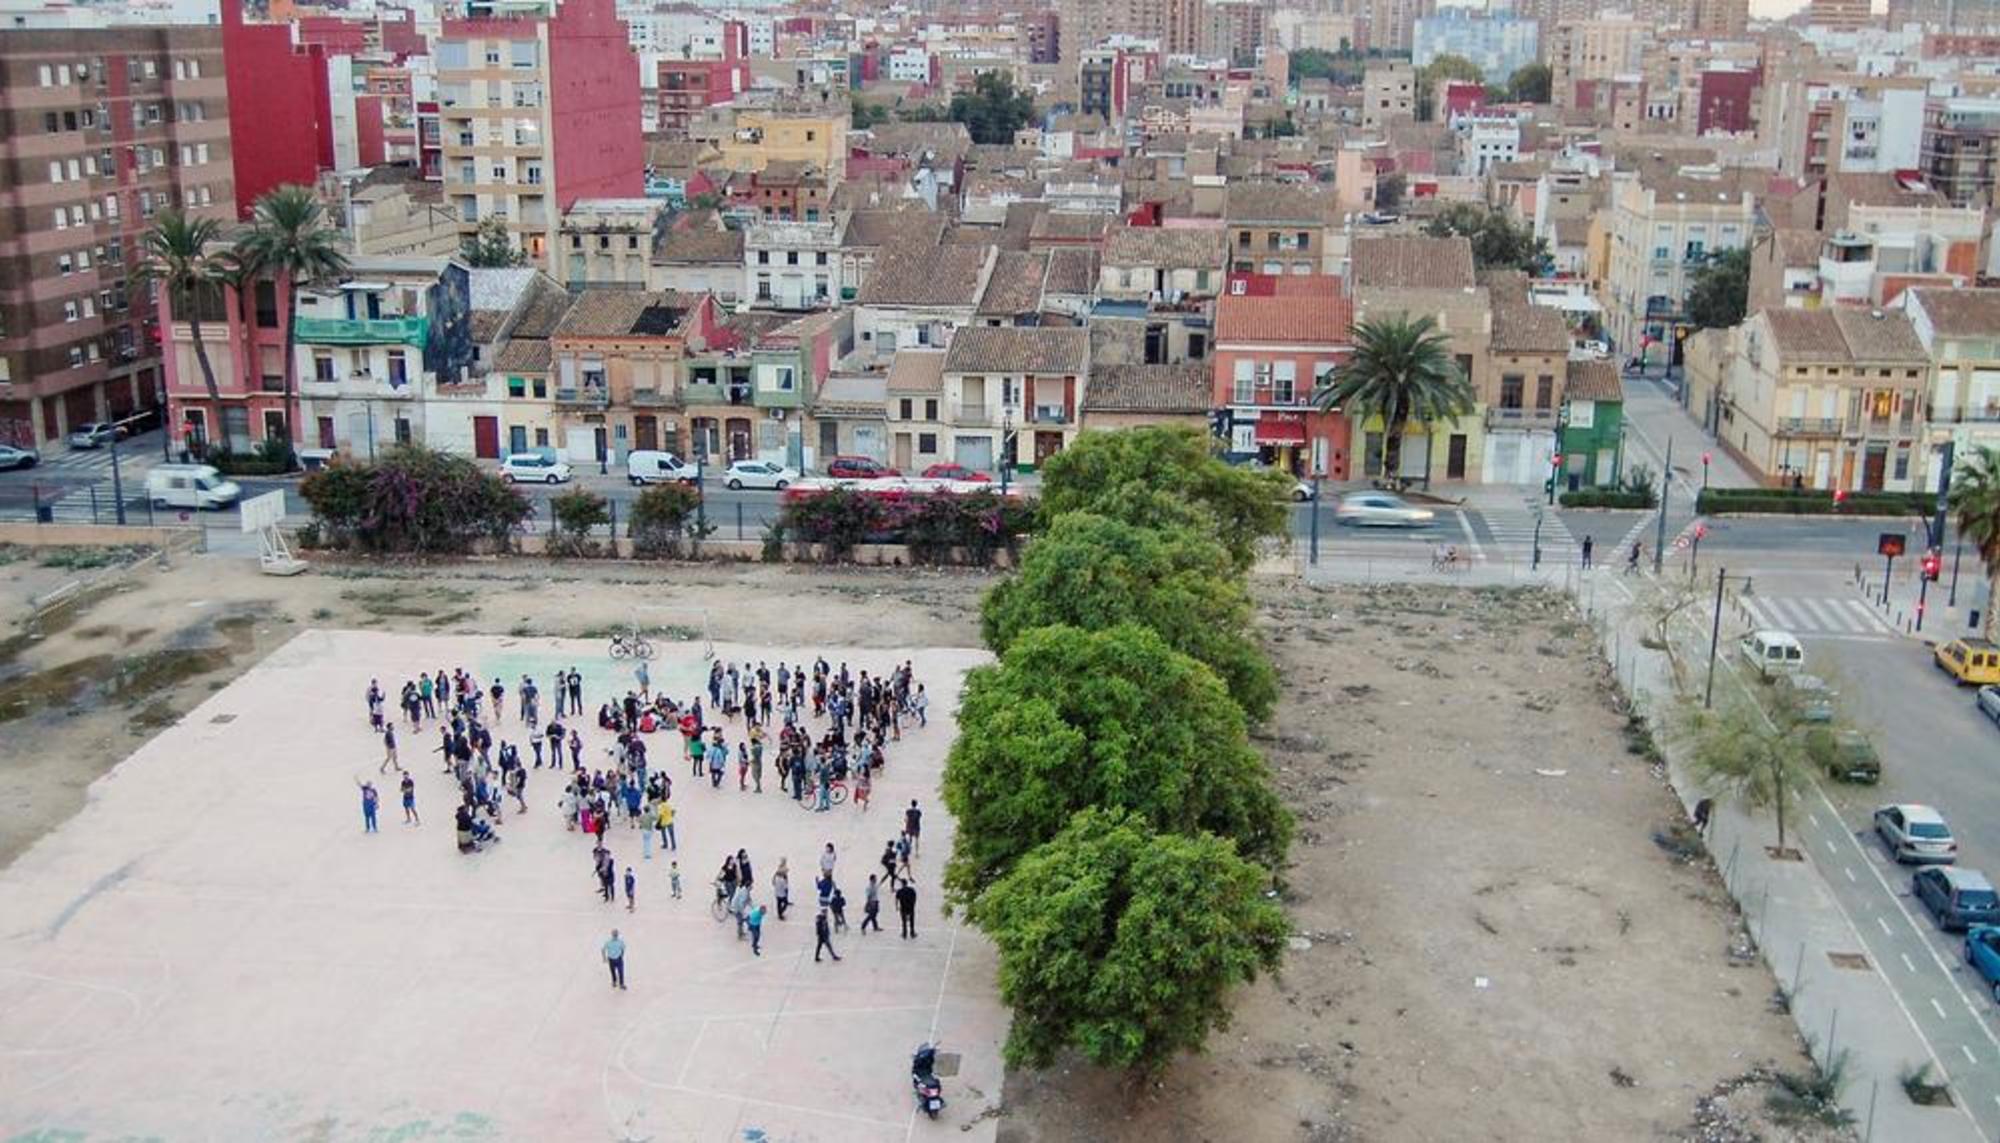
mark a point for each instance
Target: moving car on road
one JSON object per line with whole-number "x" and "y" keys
{"x": 1988, "y": 701}
{"x": 1982, "y": 952}
{"x": 1916, "y": 833}
{"x": 759, "y": 474}
{"x": 954, "y": 472}
{"x": 1958, "y": 898}
{"x": 534, "y": 468}
{"x": 1970, "y": 661}
{"x": 96, "y": 434}
{"x": 1381, "y": 509}
{"x": 195, "y": 486}
{"x": 11, "y": 457}
{"x": 1772, "y": 652}
{"x": 859, "y": 468}
{"x": 650, "y": 466}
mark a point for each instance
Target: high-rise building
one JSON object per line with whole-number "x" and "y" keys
{"x": 1844, "y": 15}
{"x": 1582, "y": 51}
{"x": 1499, "y": 44}
{"x": 1961, "y": 148}
{"x": 280, "y": 106}
{"x": 1392, "y": 23}
{"x": 107, "y": 127}
{"x": 538, "y": 107}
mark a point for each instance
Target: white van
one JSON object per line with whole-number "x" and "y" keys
{"x": 190, "y": 486}
{"x": 1773, "y": 652}
{"x": 648, "y": 466}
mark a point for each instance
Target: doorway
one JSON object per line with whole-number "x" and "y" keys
{"x": 1874, "y": 466}
{"x": 1046, "y": 446}
{"x": 646, "y": 431}
{"x": 905, "y": 452}
{"x": 486, "y": 438}
{"x": 1454, "y": 459}
{"x": 739, "y": 439}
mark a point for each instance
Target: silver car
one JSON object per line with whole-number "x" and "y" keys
{"x": 1381, "y": 509}
{"x": 1916, "y": 833}
{"x": 1989, "y": 703}
{"x": 11, "y": 457}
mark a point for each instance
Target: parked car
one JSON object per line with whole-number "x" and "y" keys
{"x": 1982, "y": 952}
{"x": 954, "y": 472}
{"x": 11, "y": 457}
{"x": 1809, "y": 695}
{"x": 1381, "y": 509}
{"x": 1988, "y": 701}
{"x": 1845, "y": 755}
{"x": 95, "y": 434}
{"x": 1958, "y": 898}
{"x": 650, "y": 466}
{"x": 759, "y": 474}
{"x": 1591, "y": 347}
{"x": 1772, "y": 652}
{"x": 196, "y": 486}
{"x": 1970, "y": 661}
{"x": 859, "y": 468}
{"x": 534, "y": 468}
{"x": 1916, "y": 833}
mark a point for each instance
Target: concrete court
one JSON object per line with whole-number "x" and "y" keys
{"x": 213, "y": 949}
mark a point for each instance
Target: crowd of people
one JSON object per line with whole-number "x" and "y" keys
{"x": 825, "y": 732}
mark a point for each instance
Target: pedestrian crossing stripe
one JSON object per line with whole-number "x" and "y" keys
{"x": 1817, "y": 615}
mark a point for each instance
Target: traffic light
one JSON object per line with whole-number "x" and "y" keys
{"x": 1932, "y": 562}
{"x": 1839, "y": 498}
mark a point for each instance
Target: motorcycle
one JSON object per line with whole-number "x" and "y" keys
{"x": 924, "y": 1082}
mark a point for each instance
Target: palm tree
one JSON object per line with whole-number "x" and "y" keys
{"x": 290, "y": 236}
{"x": 1401, "y": 370}
{"x": 1975, "y": 502}
{"x": 177, "y": 257}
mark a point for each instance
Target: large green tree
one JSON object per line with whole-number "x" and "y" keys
{"x": 1719, "y": 292}
{"x": 1344, "y": 69}
{"x": 1159, "y": 475}
{"x": 1530, "y": 83}
{"x": 1441, "y": 68}
{"x": 180, "y": 258}
{"x": 290, "y": 237}
{"x": 1498, "y": 242}
{"x": 1123, "y": 943}
{"x": 490, "y": 247}
{"x": 1753, "y": 755}
{"x": 1401, "y": 371}
{"x": 1092, "y": 572}
{"x": 1975, "y": 504}
{"x": 993, "y": 110}
{"x": 1071, "y": 719}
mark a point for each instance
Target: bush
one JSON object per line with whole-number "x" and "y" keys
{"x": 663, "y": 516}
{"x": 1156, "y": 475}
{"x": 1813, "y": 502}
{"x": 577, "y": 513}
{"x": 1608, "y": 498}
{"x": 938, "y": 527}
{"x": 273, "y": 456}
{"x": 838, "y": 520}
{"x": 414, "y": 501}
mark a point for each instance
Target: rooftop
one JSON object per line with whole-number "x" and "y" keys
{"x": 947, "y": 275}
{"x": 1412, "y": 262}
{"x": 1019, "y": 349}
{"x": 917, "y": 371}
{"x": 1961, "y": 313}
{"x": 1169, "y": 389}
{"x": 1015, "y": 286}
{"x": 1277, "y": 204}
{"x": 1303, "y": 319}
{"x": 1845, "y": 336}
{"x": 1593, "y": 380}
{"x": 1177, "y": 247}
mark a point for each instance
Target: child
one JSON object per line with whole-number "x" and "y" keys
{"x": 631, "y": 889}
{"x": 838, "y": 903}
{"x": 674, "y": 878}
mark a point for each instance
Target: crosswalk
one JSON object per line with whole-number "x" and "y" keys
{"x": 1510, "y": 516}
{"x": 1833, "y": 616}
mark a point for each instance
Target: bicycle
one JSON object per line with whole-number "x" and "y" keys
{"x": 720, "y": 906}
{"x": 630, "y": 646}
{"x": 836, "y": 793}
{"x": 1451, "y": 563}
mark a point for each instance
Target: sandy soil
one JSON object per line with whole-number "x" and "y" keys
{"x": 1490, "y": 943}
{"x": 140, "y": 650}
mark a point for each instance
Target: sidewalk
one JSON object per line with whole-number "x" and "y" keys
{"x": 1842, "y": 1005}
{"x": 1653, "y": 417}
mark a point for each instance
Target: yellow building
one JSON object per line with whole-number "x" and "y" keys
{"x": 818, "y": 138}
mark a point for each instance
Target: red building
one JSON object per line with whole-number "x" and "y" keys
{"x": 594, "y": 116}
{"x": 280, "y": 109}
{"x": 686, "y": 86}
{"x": 1728, "y": 102}
{"x": 1276, "y": 340}
{"x": 245, "y": 340}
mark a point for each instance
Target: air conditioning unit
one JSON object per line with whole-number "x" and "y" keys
{"x": 777, "y": 414}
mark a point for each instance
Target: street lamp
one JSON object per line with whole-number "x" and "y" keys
{"x": 1704, "y": 471}
{"x": 1006, "y": 450}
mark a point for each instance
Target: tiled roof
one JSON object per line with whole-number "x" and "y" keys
{"x": 1519, "y": 325}
{"x": 544, "y": 311}
{"x": 1015, "y": 286}
{"x": 1305, "y": 319}
{"x": 926, "y": 276}
{"x": 1844, "y": 336}
{"x": 1072, "y": 270}
{"x": 851, "y": 395}
{"x": 500, "y": 289}
{"x": 523, "y": 355}
{"x": 1412, "y": 262}
{"x": 1798, "y": 249}
{"x": 1884, "y": 188}
{"x": 1179, "y": 247}
{"x": 917, "y": 371}
{"x": 947, "y": 141}
{"x": 1961, "y": 313}
{"x": 876, "y": 228}
{"x": 1277, "y": 204}
{"x": 487, "y": 324}
{"x": 604, "y": 313}
{"x": 1018, "y": 349}
{"x": 699, "y": 236}
{"x": 1068, "y": 226}
{"x": 1148, "y": 389}
{"x": 1593, "y": 381}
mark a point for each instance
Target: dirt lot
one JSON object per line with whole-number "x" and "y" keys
{"x": 1490, "y": 944}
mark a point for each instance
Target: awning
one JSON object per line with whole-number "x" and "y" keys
{"x": 1272, "y": 431}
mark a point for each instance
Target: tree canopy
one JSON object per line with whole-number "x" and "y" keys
{"x": 1756, "y": 758}
{"x": 489, "y": 247}
{"x": 1071, "y": 719}
{"x": 993, "y": 110}
{"x": 1159, "y": 475}
{"x": 1441, "y": 68}
{"x": 1345, "y": 69}
{"x": 1531, "y": 83}
{"x": 1975, "y": 504}
{"x": 1497, "y": 241}
{"x": 1401, "y": 370}
{"x": 1719, "y": 291}
{"x": 1123, "y": 943}
{"x": 1092, "y": 572}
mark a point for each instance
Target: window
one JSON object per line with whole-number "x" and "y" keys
{"x": 64, "y": 264}
{"x": 1245, "y": 390}
{"x": 1545, "y": 391}
{"x": 927, "y": 442}
{"x": 201, "y": 152}
{"x": 194, "y": 69}
{"x": 62, "y": 219}
{"x": 785, "y": 379}
{"x": 50, "y": 122}
{"x": 69, "y": 311}
{"x": 1284, "y": 382}
{"x": 83, "y": 259}
{"x": 323, "y": 366}
{"x": 763, "y": 287}
{"x": 76, "y": 357}
{"x": 399, "y": 369}
{"x": 906, "y": 407}
{"x": 791, "y": 257}
{"x": 930, "y": 409}
{"x": 1510, "y": 390}
{"x": 48, "y": 76}
{"x": 820, "y": 258}
{"x": 763, "y": 257}
{"x": 55, "y": 170}
{"x": 521, "y": 53}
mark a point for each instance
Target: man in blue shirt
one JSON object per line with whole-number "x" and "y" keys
{"x": 614, "y": 955}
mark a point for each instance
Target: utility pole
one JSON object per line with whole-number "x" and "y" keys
{"x": 1666, "y": 487}
{"x": 1313, "y": 508}
{"x": 117, "y": 482}
{"x": 1006, "y": 448}
{"x": 1714, "y": 638}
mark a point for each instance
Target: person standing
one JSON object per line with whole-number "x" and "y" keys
{"x": 781, "y": 887}
{"x": 575, "y": 691}
{"x": 666, "y": 825}
{"x": 757, "y": 758}
{"x": 674, "y": 879}
{"x": 871, "y": 905}
{"x": 644, "y": 678}
{"x": 1588, "y": 546}
{"x": 631, "y": 889}
{"x": 389, "y": 749}
{"x": 913, "y": 825}
{"x": 1632, "y": 559}
{"x": 614, "y": 956}
{"x": 906, "y": 908}
{"x": 755, "y": 923}
{"x": 410, "y": 801}
{"x": 739, "y": 906}
{"x": 838, "y": 903}
{"x": 823, "y": 937}
{"x": 369, "y": 800}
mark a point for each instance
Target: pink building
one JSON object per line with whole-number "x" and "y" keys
{"x": 245, "y": 339}
{"x": 280, "y": 109}
{"x": 1276, "y": 340}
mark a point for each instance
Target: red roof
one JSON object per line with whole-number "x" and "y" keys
{"x": 1285, "y": 318}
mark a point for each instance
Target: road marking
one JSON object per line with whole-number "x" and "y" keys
{"x": 1907, "y": 962}
{"x": 1886, "y": 930}
{"x": 1813, "y": 818}
{"x": 1471, "y": 541}
{"x": 1850, "y": 875}
{"x": 1969, "y": 1057}
{"x": 1939, "y": 1008}
{"x": 1831, "y": 848}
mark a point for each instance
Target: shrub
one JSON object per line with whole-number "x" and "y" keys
{"x": 577, "y": 513}
{"x": 413, "y": 500}
{"x": 1812, "y": 502}
{"x": 938, "y": 527}
{"x": 838, "y": 520}
{"x": 663, "y": 516}
{"x": 1608, "y": 498}
{"x": 273, "y": 456}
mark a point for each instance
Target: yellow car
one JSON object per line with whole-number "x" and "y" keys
{"x": 1973, "y": 662}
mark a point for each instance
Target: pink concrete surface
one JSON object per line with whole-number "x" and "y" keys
{"x": 213, "y": 949}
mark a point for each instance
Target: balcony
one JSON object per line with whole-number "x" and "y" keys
{"x": 1511, "y": 417}
{"x": 586, "y": 396}
{"x": 1049, "y": 415}
{"x": 653, "y": 399}
{"x": 412, "y": 331}
{"x": 1966, "y": 414}
{"x": 1809, "y": 426}
{"x": 972, "y": 416}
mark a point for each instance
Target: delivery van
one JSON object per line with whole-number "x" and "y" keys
{"x": 196, "y": 486}
{"x": 649, "y": 466}
{"x": 1773, "y": 652}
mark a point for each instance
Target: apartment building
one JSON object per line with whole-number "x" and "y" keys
{"x": 1388, "y": 93}
{"x": 1593, "y": 51}
{"x": 1663, "y": 227}
{"x": 104, "y": 128}
{"x": 1030, "y": 379}
{"x": 1277, "y": 340}
{"x": 1832, "y": 396}
{"x": 1960, "y": 330}
{"x": 538, "y": 109}
{"x": 1499, "y": 43}
{"x": 374, "y": 352}
{"x": 815, "y": 138}
{"x": 1961, "y": 148}
{"x": 1277, "y": 229}
{"x": 794, "y": 265}
{"x": 1420, "y": 277}
{"x": 607, "y": 242}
